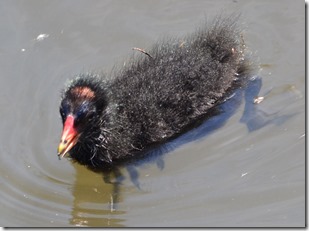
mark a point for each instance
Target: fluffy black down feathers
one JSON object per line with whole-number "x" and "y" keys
{"x": 155, "y": 98}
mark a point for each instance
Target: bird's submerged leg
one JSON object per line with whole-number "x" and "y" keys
{"x": 116, "y": 180}
{"x": 113, "y": 177}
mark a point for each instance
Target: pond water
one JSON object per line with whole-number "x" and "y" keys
{"x": 228, "y": 178}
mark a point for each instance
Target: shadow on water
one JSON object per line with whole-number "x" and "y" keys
{"x": 253, "y": 117}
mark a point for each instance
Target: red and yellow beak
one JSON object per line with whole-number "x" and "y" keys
{"x": 69, "y": 137}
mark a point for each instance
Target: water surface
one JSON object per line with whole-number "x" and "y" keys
{"x": 231, "y": 177}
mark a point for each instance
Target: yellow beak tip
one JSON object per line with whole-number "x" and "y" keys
{"x": 61, "y": 150}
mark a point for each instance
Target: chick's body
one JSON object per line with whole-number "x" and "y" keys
{"x": 156, "y": 97}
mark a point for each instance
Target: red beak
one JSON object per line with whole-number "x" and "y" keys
{"x": 69, "y": 137}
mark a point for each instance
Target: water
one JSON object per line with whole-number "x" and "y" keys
{"x": 231, "y": 177}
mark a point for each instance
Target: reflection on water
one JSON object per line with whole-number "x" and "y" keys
{"x": 95, "y": 201}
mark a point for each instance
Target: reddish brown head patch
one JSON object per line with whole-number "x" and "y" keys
{"x": 83, "y": 92}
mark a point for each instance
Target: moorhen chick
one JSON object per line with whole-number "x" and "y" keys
{"x": 153, "y": 98}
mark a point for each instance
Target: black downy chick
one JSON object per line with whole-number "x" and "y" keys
{"x": 153, "y": 98}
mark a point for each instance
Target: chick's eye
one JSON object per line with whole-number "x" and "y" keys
{"x": 64, "y": 110}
